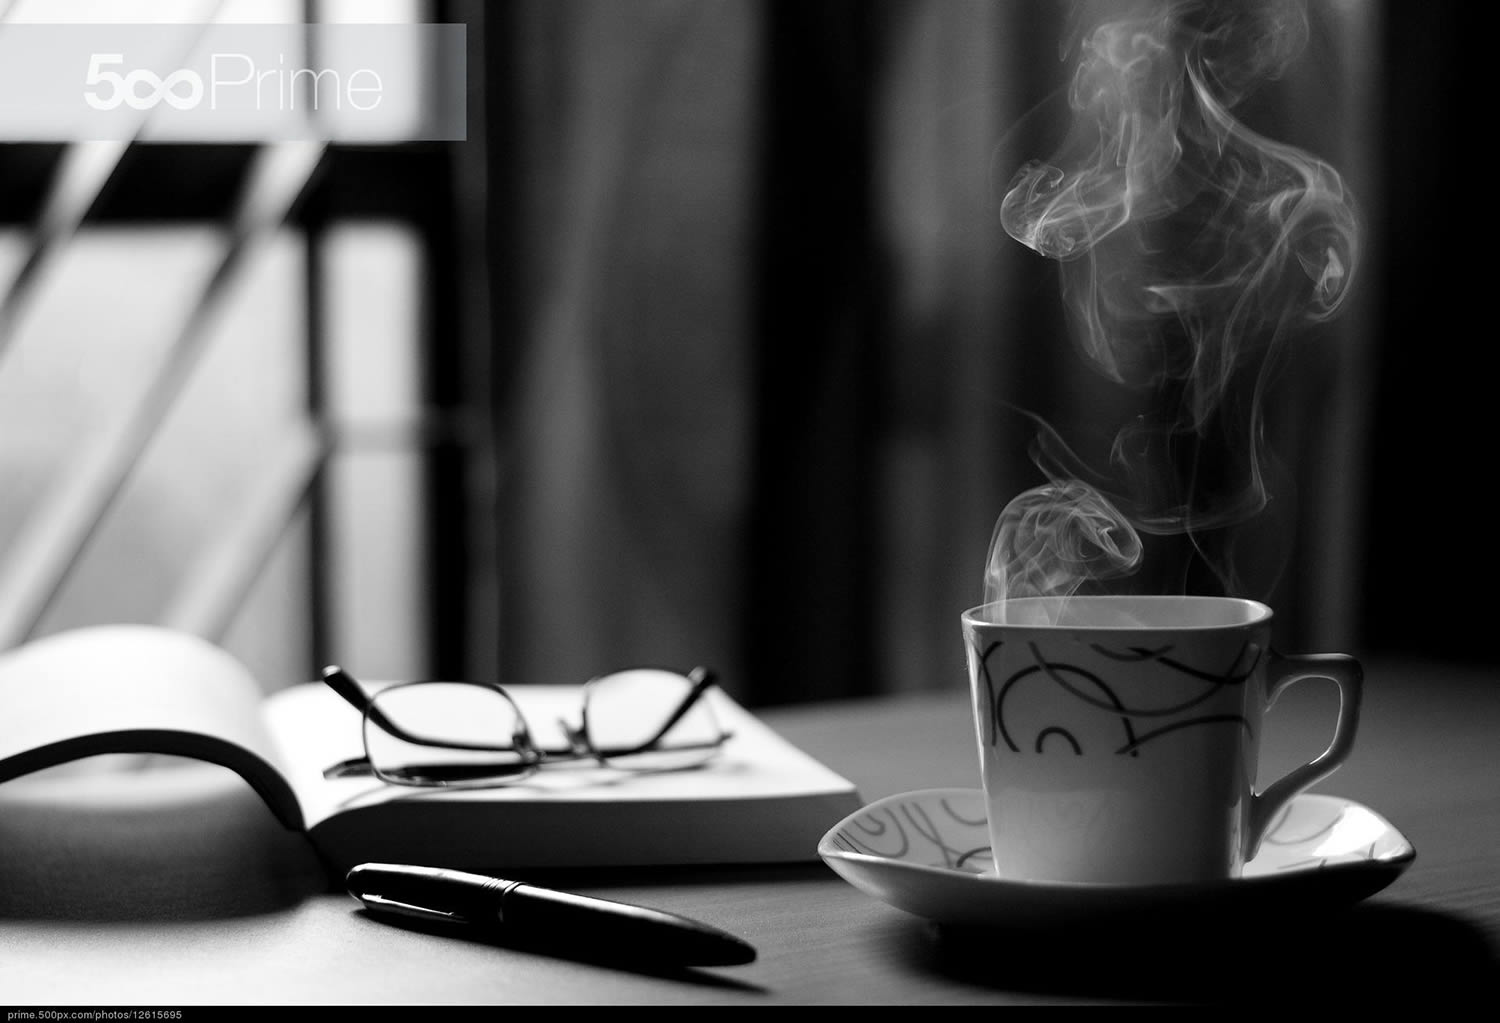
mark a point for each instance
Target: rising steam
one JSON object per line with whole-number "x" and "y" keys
{"x": 1052, "y": 539}
{"x": 1189, "y": 248}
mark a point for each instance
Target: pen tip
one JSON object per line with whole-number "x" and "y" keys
{"x": 740, "y": 953}
{"x": 723, "y": 949}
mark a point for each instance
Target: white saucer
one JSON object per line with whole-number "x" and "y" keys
{"x": 928, "y": 852}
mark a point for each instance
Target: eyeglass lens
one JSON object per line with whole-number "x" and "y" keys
{"x": 454, "y": 733}
{"x": 460, "y": 733}
{"x": 626, "y": 711}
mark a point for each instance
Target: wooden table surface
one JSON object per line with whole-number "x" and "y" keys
{"x": 204, "y": 901}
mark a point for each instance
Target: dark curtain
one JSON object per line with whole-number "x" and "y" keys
{"x": 1427, "y": 552}
{"x": 762, "y": 348}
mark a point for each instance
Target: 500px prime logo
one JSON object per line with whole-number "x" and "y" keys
{"x": 234, "y": 80}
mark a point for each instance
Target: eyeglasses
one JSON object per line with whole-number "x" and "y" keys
{"x": 473, "y": 734}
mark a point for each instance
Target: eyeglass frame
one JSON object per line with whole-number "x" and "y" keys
{"x": 532, "y": 757}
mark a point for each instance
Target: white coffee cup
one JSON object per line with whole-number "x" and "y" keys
{"x": 1119, "y": 736}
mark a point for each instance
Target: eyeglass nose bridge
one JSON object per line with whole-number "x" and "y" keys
{"x": 525, "y": 745}
{"x": 578, "y": 742}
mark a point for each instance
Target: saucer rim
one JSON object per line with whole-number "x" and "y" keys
{"x": 1394, "y": 862}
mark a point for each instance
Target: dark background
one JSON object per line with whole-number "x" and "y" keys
{"x": 790, "y": 569}
{"x": 1436, "y": 430}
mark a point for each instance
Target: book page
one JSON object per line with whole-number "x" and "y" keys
{"x": 314, "y": 729}
{"x": 135, "y": 689}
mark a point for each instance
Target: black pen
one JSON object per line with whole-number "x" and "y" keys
{"x": 529, "y": 914}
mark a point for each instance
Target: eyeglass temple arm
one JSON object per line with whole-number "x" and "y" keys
{"x": 343, "y": 683}
{"x": 360, "y": 767}
{"x": 702, "y": 678}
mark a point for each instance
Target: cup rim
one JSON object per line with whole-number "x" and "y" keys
{"x": 1253, "y": 612}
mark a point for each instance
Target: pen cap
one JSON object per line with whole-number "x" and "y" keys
{"x": 470, "y": 897}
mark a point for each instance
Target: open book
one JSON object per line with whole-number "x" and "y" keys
{"x": 142, "y": 689}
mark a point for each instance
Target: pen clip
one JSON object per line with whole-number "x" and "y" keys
{"x": 383, "y": 904}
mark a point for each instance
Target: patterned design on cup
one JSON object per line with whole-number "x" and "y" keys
{"x": 1007, "y": 688}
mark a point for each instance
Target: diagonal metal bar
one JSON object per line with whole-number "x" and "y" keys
{"x": 84, "y": 169}
{"x": 53, "y": 538}
{"x": 216, "y": 585}
{"x": 215, "y": 588}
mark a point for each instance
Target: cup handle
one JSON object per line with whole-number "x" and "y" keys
{"x": 1284, "y": 670}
